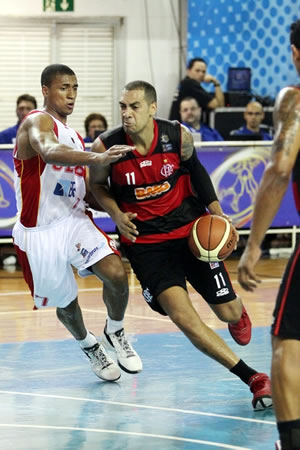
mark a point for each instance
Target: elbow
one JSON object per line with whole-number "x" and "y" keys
{"x": 280, "y": 174}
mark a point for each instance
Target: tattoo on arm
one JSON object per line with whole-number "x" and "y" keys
{"x": 287, "y": 121}
{"x": 187, "y": 143}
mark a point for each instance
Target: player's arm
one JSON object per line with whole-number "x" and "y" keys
{"x": 275, "y": 180}
{"x": 42, "y": 139}
{"x": 98, "y": 182}
{"x": 200, "y": 178}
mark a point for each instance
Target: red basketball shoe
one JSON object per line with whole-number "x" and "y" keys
{"x": 260, "y": 386}
{"x": 241, "y": 331}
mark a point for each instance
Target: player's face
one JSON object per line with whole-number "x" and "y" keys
{"x": 198, "y": 71}
{"x": 136, "y": 113}
{"x": 60, "y": 96}
{"x": 253, "y": 115}
{"x": 190, "y": 112}
{"x": 23, "y": 108}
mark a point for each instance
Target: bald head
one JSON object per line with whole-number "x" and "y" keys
{"x": 254, "y": 115}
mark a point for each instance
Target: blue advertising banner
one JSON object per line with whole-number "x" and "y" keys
{"x": 235, "y": 171}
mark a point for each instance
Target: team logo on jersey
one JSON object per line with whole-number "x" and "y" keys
{"x": 167, "y": 170}
{"x": 142, "y": 193}
{"x": 65, "y": 188}
{"x": 145, "y": 163}
{"x": 164, "y": 138}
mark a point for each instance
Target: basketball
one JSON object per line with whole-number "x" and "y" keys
{"x": 212, "y": 238}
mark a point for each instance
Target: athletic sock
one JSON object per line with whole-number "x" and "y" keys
{"x": 113, "y": 325}
{"x": 243, "y": 371}
{"x": 88, "y": 341}
{"x": 289, "y": 433}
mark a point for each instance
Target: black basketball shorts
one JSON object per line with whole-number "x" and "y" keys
{"x": 286, "y": 314}
{"x": 170, "y": 263}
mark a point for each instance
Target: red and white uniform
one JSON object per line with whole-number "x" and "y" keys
{"x": 47, "y": 193}
{"x": 54, "y": 232}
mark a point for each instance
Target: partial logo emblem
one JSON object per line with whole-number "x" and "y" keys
{"x": 236, "y": 182}
{"x": 164, "y": 138}
{"x": 222, "y": 292}
{"x": 65, "y": 188}
{"x": 167, "y": 170}
{"x": 147, "y": 295}
{"x": 7, "y": 197}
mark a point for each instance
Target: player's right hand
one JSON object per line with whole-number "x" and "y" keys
{"x": 125, "y": 225}
{"x": 246, "y": 275}
{"x": 113, "y": 154}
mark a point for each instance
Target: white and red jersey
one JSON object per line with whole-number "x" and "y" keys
{"x": 47, "y": 193}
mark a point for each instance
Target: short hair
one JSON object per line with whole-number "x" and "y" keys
{"x": 149, "y": 90}
{"x": 94, "y": 116}
{"x": 295, "y": 34}
{"x": 194, "y": 60}
{"x": 27, "y": 98}
{"x": 188, "y": 99}
{"x": 50, "y": 72}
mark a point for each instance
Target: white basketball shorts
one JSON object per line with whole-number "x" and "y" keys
{"x": 48, "y": 253}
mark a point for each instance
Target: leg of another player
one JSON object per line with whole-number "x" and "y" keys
{"x": 115, "y": 285}
{"x": 115, "y": 295}
{"x": 71, "y": 318}
{"x": 285, "y": 386}
{"x": 177, "y": 304}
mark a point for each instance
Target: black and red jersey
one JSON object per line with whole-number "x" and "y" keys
{"x": 296, "y": 183}
{"x": 155, "y": 186}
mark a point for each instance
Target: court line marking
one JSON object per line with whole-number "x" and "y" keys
{"x": 126, "y": 433}
{"x": 135, "y": 405}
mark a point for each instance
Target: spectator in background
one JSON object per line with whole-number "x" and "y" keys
{"x": 254, "y": 115}
{"x": 94, "y": 124}
{"x": 190, "y": 87}
{"x": 190, "y": 115}
{"x": 25, "y": 104}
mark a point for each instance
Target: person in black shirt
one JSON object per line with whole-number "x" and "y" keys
{"x": 190, "y": 86}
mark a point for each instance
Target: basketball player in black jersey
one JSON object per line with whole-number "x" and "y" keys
{"x": 151, "y": 199}
{"x": 285, "y": 162}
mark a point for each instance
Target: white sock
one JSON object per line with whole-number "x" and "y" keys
{"x": 113, "y": 325}
{"x": 88, "y": 341}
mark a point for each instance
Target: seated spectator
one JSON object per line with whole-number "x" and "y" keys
{"x": 254, "y": 115}
{"x": 25, "y": 104}
{"x": 94, "y": 124}
{"x": 190, "y": 86}
{"x": 190, "y": 114}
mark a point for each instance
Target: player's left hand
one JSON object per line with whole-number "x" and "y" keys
{"x": 114, "y": 153}
{"x": 246, "y": 275}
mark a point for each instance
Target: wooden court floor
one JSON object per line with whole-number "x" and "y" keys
{"x": 182, "y": 400}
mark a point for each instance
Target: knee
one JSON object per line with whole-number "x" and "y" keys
{"x": 230, "y": 312}
{"x": 68, "y": 312}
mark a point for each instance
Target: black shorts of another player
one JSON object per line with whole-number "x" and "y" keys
{"x": 170, "y": 263}
{"x": 286, "y": 314}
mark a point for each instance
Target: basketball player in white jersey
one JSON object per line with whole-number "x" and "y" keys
{"x": 54, "y": 231}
